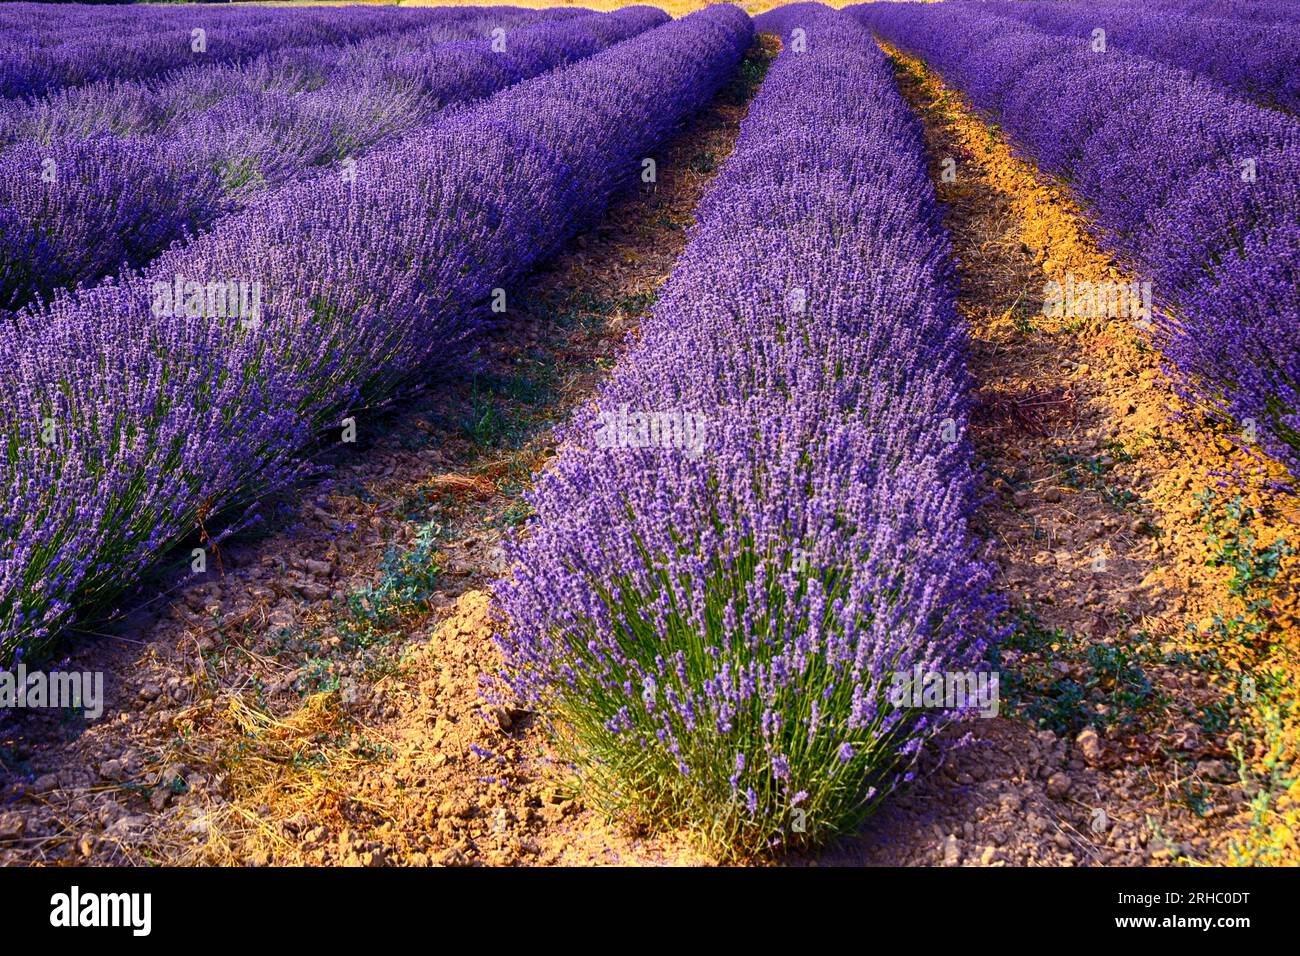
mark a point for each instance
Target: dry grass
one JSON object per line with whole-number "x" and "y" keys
{"x": 275, "y": 770}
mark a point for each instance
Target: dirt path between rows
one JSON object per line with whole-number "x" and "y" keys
{"x": 316, "y": 699}
{"x": 1148, "y": 716}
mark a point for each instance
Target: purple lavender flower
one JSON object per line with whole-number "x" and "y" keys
{"x": 1188, "y": 184}
{"x": 819, "y": 539}
{"x": 126, "y": 423}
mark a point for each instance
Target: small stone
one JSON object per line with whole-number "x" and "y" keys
{"x": 320, "y": 569}
{"x": 1215, "y": 770}
{"x": 313, "y": 591}
{"x": 453, "y": 807}
{"x": 951, "y": 850}
{"x": 1089, "y": 744}
{"x": 1058, "y": 785}
{"x": 453, "y": 857}
{"x": 11, "y": 826}
{"x": 126, "y": 826}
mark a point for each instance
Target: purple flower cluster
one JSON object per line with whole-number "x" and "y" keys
{"x": 134, "y": 411}
{"x": 81, "y": 208}
{"x": 1258, "y": 11}
{"x": 1191, "y": 186}
{"x": 1256, "y": 60}
{"x": 158, "y": 104}
{"x": 712, "y": 626}
{"x": 48, "y": 48}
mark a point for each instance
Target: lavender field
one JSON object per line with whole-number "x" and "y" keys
{"x": 753, "y": 434}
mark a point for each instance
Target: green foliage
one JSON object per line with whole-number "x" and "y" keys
{"x": 1061, "y": 682}
{"x": 406, "y": 582}
{"x": 1091, "y": 473}
{"x": 1233, "y": 545}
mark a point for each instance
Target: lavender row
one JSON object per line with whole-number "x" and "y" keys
{"x": 1192, "y": 187}
{"x": 158, "y": 104}
{"x": 78, "y": 208}
{"x": 182, "y": 394}
{"x": 34, "y": 25}
{"x": 761, "y": 518}
{"x": 1259, "y": 61}
{"x": 208, "y": 35}
{"x": 1246, "y": 11}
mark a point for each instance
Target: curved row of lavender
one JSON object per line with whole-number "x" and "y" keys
{"x": 761, "y": 518}
{"x": 225, "y": 35}
{"x": 156, "y": 105}
{"x": 77, "y": 209}
{"x": 1253, "y": 11}
{"x": 1258, "y": 11}
{"x": 28, "y": 26}
{"x": 1257, "y": 60}
{"x": 1192, "y": 187}
{"x": 136, "y": 412}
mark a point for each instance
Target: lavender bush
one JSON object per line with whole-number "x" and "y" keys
{"x": 1188, "y": 185}
{"x": 163, "y": 40}
{"x": 138, "y": 413}
{"x": 167, "y": 104}
{"x": 1257, "y": 60}
{"x": 113, "y": 201}
{"x": 1256, "y": 11}
{"x": 761, "y": 517}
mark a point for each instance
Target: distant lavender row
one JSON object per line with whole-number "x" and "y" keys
{"x": 1246, "y": 11}
{"x": 228, "y": 35}
{"x": 90, "y": 180}
{"x": 30, "y": 25}
{"x": 783, "y": 19}
{"x": 1257, "y": 60}
{"x": 77, "y": 209}
{"x": 135, "y": 413}
{"x": 761, "y": 517}
{"x": 155, "y": 104}
{"x": 1192, "y": 187}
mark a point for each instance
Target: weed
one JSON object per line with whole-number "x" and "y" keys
{"x": 1062, "y": 683}
{"x": 1091, "y": 473}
